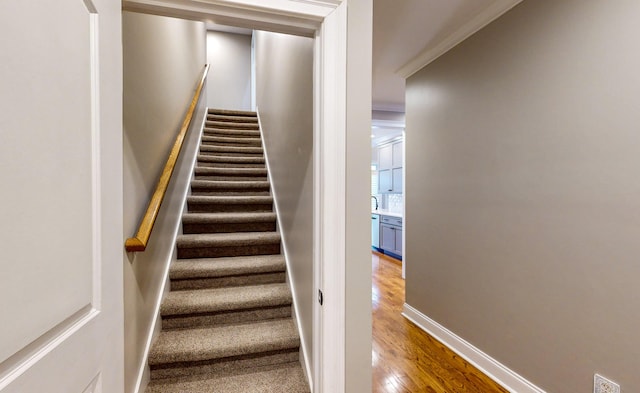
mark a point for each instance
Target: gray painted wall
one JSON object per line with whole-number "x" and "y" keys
{"x": 284, "y": 79}
{"x": 163, "y": 61}
{"x": 229, "y": 83}
{"x": 523, "y": 194}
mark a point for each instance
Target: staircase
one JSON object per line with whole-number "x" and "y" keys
{"x": 227, "y": 323}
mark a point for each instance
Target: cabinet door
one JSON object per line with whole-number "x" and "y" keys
{"x": 398, "y": 241}
{"x": 387, "y": 238}
{"x": 385, "y": 182}
{"x": 385, "y": 157}
{"x": 397, "y": 155}
{"x": 397, "y": 180}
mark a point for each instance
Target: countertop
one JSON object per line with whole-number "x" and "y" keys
{"x": 384, "y": 212}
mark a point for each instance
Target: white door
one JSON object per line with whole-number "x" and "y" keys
{"x": 61, "y": 199}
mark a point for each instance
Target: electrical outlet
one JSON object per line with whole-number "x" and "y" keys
{"x": 603, "y": 385}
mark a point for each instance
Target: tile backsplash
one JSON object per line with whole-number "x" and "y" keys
{"x": 395, "y": 203}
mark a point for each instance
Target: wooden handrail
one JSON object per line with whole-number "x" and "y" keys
{"x": 141, "y": 239}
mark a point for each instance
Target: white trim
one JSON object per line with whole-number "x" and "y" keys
{"x": 156, "y": 325}
{"x": 30, "y": 355}
{"x": 330, "y": 189}
{"x": 317, "y": 212}
{"x": 431, "y": 53}
{"x": 305, "y": 20}
{"x": 283, "y": 239}
{"x": 96, "y": 168}
{"x": 321, "y": 3}
{"x": 495, "y": 370}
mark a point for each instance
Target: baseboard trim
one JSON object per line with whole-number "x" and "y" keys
{"x": 495, "y": 370}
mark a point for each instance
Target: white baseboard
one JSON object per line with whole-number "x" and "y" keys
{"x": 492, "y": 368}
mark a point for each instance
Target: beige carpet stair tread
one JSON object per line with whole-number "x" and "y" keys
{"x": 225, "y": 299}
{"x": 208, "y": 139}
{"x": 205, "y": 171}
{"x": 235, "y": 126}
{"x": 193, "y": 345}
{"x": 212, "y": 203}
{"x": 287, "y": 378}
{"x": 198, "y": 218}
{"x": 231, "y": 112}
{"x": 236, "y": 184}
{"x": 222, "y": 158}
{"x": 233, "y": 133}
{"x": 232, "y": 119}
{"x": 231, "y": 149}
{"x": 227, "y": 239}
{"x": 223, "y": 267}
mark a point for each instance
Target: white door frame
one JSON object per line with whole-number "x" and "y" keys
{"x": 333, "y": 28}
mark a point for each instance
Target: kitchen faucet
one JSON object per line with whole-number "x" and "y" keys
{"x": 374, "y": 197}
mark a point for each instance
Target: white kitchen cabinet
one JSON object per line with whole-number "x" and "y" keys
{"x": 390, "y": 159}
{"x": 397, "y": 155}
{"x": 385, "y": 181}
{"x": 385, "y": 157}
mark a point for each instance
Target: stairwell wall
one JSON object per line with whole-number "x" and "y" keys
{"x": 523, "y": 195}
{"x": 229, "y": 55}
{"x": 163, "y": 60}
{"x": 284, "y": 96}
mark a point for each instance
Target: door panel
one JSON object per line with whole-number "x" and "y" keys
{"x": 60, "y": 280}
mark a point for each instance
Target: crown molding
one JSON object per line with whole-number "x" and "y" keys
{"x": 273, "y": 16}
{"x": 432, "y": 52}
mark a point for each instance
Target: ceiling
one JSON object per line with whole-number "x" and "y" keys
{"x": 408, "y": 34}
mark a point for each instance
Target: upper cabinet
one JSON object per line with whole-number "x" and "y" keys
{"x": 390, "y": 168}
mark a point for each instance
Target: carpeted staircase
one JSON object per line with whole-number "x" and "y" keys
{"x": 227, "y": 323}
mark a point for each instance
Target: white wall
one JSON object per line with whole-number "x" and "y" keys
{"x": 284, "y": 75}
{"x": 163, "y": 61}
{"x": 523, "y": 194}
{"x": 229, "y": 83}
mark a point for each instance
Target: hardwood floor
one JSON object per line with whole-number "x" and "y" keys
{"x": 407, "y": 359}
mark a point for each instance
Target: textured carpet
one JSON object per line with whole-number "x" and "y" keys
{"x": 227, "y": 321}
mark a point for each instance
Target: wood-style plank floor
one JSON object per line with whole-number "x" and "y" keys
{"x": 407, "y": 359}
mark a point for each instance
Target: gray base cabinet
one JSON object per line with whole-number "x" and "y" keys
{"x": 391, "y": 234}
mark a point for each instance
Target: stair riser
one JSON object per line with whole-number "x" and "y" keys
{"x": 231, "y": 133}
{"x": 227, "y": 207}
{"x": 228, "y": 227}
{"x": 225, "y": 365}
{"x": 225, "y": 164}
{"x": 231, "y": 251}
{"x": 224, "y": 158}
{"x": 229, "y": 281}
{"x": 226, "y": 318}
{"x": 239, "y": 142}
{"x": 231, "y": 112}
{"x": 232, "y": 150}
{"x": 232, "y": 119}
{"x": 230, "y": 178}
{"x": 230, "y": 193}
{"x": 230, "y": 153}
{"x": 233, "y": 126}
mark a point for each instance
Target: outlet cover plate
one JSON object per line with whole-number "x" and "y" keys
{"x": 604, "y": 385}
